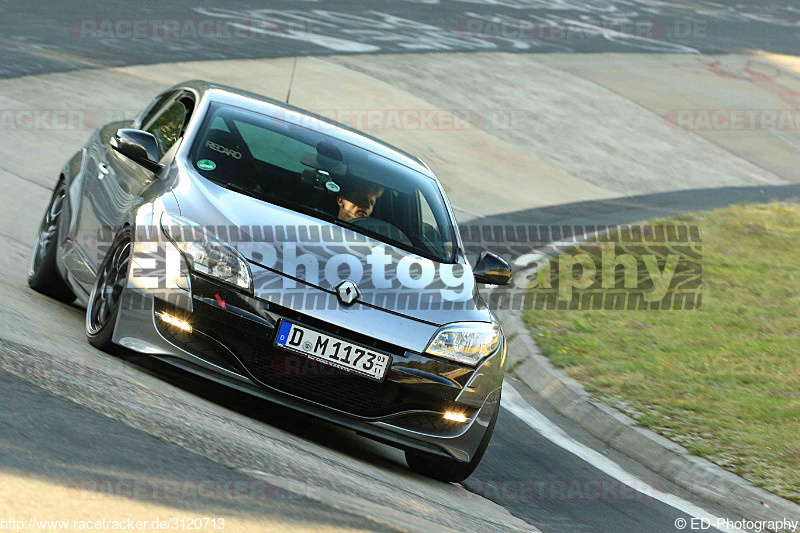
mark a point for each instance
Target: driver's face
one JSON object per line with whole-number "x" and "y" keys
{"x": 349, "y": 211}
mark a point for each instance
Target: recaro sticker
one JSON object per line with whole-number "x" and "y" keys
{"x": 223, "y": 150}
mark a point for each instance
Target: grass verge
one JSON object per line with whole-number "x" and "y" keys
{"x": 722, "y": 380}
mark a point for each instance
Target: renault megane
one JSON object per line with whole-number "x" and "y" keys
{"x": 286, "y": 255}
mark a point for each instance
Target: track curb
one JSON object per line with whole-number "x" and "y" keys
{"x": 619, "y": 431}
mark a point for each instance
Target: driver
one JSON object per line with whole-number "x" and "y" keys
{"x": 358, "y": 201}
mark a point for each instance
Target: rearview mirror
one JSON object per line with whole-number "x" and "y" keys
{"x": 491, "y": 269}
{"x": 323, "y": 162}
{"x": 138, "y": 146}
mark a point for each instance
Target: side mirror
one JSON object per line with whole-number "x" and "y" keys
{"x": 138, "y": 146}
{"x": 492, "y": 269}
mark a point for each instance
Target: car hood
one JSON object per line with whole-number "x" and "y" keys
{"x": 298, "y": 260}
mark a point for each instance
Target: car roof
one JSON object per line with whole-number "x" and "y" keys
{"x": 302, "y": 117}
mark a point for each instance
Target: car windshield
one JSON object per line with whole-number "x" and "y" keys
{"x": 308, "y": 171}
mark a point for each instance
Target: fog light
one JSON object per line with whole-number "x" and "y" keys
{"x": 178, "y": 323}
{"x": 455, "y": 417}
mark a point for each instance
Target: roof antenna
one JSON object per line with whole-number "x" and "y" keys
{"x": 291, "y": 80}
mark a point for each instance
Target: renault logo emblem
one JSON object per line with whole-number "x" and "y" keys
{"x": 347, "y": 291}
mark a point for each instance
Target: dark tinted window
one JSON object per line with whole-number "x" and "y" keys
{"x": 168, "y": 126}
{"x": 155, "y": 107}
{"x": 306, "y": 170}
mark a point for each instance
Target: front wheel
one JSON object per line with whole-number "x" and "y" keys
{"x": 105, "y": 300}
{"x": 43, "y": 274}
{"x": 450, "y": 470}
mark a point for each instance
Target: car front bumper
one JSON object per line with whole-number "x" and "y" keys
{"x": 231, "y": 342}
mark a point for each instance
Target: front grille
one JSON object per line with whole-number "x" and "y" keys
{"x": 324, "y": 384}
{"x": 251, "y": 337}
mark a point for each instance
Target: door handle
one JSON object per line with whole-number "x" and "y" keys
{"x": 102, "y": 171}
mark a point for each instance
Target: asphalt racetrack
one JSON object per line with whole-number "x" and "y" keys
{"x": 579, "y": 132}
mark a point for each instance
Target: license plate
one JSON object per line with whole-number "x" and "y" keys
{"x": 333, "y": 351}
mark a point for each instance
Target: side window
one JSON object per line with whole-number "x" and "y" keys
{"x": 188, "y": 102}
{"x": 168, "y": 126}
{"x": 155, "y": 106}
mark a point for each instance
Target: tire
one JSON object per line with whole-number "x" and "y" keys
{"x": 43, "y": 274}
{"x": 450, "y": 470}
{"x": 104, "y": 301}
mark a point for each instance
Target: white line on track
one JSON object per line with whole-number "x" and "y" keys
{"x": 515, "y": 403}
{"x": 785, "y": 138}
{"x": 467, "y": 211}
{"x": 332, "y": 43}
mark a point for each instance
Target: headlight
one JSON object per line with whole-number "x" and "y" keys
{"x": 467, "y": 342}
{"x": 205, "y": 253}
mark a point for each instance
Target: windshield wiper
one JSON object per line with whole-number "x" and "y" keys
{"x": 245, "y": 190}
{"x": 387, "y": 240}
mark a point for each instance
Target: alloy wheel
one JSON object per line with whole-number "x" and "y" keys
{"x": 111, "y": 279}
{"x": 48, "y": 229}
